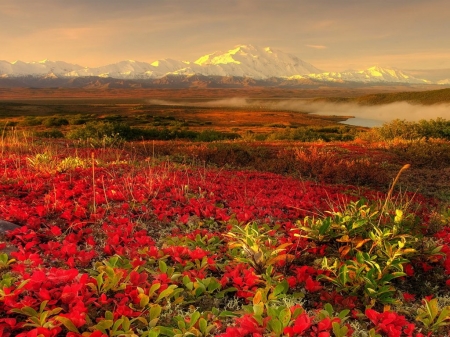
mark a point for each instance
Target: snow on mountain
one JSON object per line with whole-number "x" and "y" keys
{"x": 123, "y": 69}
{"x": 161, "y": 68}
{"x": 19, "y": 68}
{"x": 242, "y": 61}
{"x": 373, "y": 74}
{"x": 254, "y": 62}
{"x": 444, "y": 82}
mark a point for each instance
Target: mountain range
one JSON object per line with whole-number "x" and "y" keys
{"x": 244, "y": 65}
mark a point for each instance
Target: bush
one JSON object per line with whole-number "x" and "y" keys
{"x": 99, "y": 130}
{"x": 31, "y": 121}
{"x": 55, "y": 122}
{"x": 438, "y": 128}
{"x": 303, "y": 134}
{"x": 77, "y": 120}
{"x": 49, "y": 134}
{"x": 213, "y": 135}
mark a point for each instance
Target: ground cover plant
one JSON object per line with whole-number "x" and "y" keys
{"x": 115, "y": 241}
{"x": 215, "y": 237}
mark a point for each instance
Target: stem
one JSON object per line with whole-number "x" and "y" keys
{"x": 391, "y": 190}
{"x": 93, "y": 181}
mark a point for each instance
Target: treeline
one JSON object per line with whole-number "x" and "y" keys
{"x": 428, "y": 97}
{"x": 401, "y": 129}
{"x": 100, "y": 130}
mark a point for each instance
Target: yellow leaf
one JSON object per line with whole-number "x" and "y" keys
{"x": 283, "y": 257}
{"x": 344, "y": 250}
{"x": 344, "y": 238}
{"x": 257, "y": 298}
{"x": 361, "y": 242}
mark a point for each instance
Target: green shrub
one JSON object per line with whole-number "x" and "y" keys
{"x": 304, "y": 134}
{"x": 31, "y": 121}
{"x": 49, "y": 134}
{"x": 55, "y": 122}
{"x": 402, "y": 129}
{"x": 99, "y": 130}
{"x": 77, "y": 120}
{"x": 213, "y": 135}
{"x": 371, "y": 244}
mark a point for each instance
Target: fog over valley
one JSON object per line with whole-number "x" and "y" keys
{"x": 360, "y": 115}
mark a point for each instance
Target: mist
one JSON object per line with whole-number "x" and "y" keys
{"x": 234, "y": 102}
{"x": 378, "y": 114}
{"x": 361, "y": 115}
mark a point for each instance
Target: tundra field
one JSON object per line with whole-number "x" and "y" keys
{"x": 207, "y": 212}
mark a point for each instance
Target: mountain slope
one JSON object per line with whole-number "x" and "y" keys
{"x": 243, "y": 61}
{"x": 255, "y": 62}
{"x": 371, "y": 75}
{"x": 45, "y": 67}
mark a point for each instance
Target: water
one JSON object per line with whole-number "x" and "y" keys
{"x": 366, "y": 122}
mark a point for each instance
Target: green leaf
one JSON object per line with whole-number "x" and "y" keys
{"x": 54, "y": 311}
{"x": 202, "y": 324}
{"x": 281, "y": 288}
{"x": 117, "y": 324}
{"x": 28, "y": 311}
{"x": 152, "y": 333}
{"x": 326, "y": 223}
{"x": 276, "y": 326}
{"x": 194, "y": 318}
{"x": 67, "y": 323}
{"x": 153, "y": 289}
{"x": 258, "y": 309}
{"x": 344, "y": 314}
{"x": 162, "y": 266}
{"x": 153, "y": 322}
{"x": 166, "y": 292}
{"x": 444, "y": 316}
{"x": 329, "y": 308}
{"x": 285, "y": 317}
{"x": 213, "y": 285}
{"x": 343, "y": 273}
{"x": 338, "y": 330}
{"x": 155, "y": 311}
{"x": 227, "y": 313}
{"x": 42, "y": 306}
{"x": 104, "y": 325}
{"x": 199, "y": 291}
{"x": 144, "y": 300}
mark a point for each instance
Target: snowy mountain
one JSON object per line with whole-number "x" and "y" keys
{"x": 374, "y": 74}
{"x": 243, "y": 61}
{"x": 254, "y": 62}
{"x": 45, "y": 67}
{"x": 444, "y": 82}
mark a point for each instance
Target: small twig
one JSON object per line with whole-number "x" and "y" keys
{"x": 93, "y": 182}
{"x": 391, "y": 190}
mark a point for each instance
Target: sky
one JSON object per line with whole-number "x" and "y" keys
{"x": 333, "y": 35}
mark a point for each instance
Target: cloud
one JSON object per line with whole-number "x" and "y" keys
{"x": 316, "y": 46}
{"x": 322, "y": 32}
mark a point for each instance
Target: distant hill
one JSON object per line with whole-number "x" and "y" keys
{"x": 244, "y": 64}
{"x": 428, "y": 97}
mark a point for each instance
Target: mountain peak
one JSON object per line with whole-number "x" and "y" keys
{"x": 374, "y": 74}
{"x": 254, "y": 61}
{"x": 244, "y": 61}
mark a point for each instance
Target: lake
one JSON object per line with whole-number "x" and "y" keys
{"x": 366, "y": 122}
